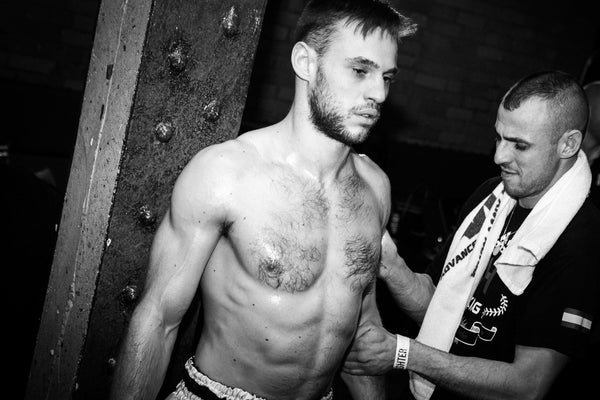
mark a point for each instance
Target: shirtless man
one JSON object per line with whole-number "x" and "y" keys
{"x": 281, "y": 228}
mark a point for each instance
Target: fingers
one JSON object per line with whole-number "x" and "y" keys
{"x": 354, "y": 371}
{"x": 358, "y": 368}
{"x": 387, "y": 241}
{"x": 352, "y": 365}
{"x": 382, "y": 271}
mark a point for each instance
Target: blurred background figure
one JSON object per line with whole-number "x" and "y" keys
{"x": 591, "y": 142}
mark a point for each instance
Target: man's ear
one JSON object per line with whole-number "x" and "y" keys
{"x": 304, "y": 61}
{"x": 569, "y": 143}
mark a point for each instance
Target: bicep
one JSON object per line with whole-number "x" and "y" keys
{"x": 177, "y": 260}
{"x": 182, "y": 246}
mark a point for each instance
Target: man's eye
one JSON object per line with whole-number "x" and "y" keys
{"x": 389, "y": 79}
{"x": 359, "y": 71}
{"x": 520, "y": 146}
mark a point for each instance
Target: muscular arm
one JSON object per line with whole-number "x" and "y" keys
{"x": 411, "y": 291}
{"x": 181, "y": 248}
{"x": 529, "y": 376}
{"x": 367, "y": 387}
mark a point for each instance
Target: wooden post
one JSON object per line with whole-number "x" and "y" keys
{"x": 166, "y": 79}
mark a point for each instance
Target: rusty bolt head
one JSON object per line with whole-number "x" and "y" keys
{"x": 178, "y": 56}
{"x": 112, "y": 363}
{"x": 212, "y": 111}
{"x": 145, "y": 216}
{"x": 231, "y": 22}
{"x": 130, "y": 293}
{"x": 164, "y": 131}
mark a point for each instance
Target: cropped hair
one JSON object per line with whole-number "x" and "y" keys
{"x": 565, "y": 96}
{"x": 317, "y": 23}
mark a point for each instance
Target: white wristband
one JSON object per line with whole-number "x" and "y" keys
{"x": 402, "y": 349}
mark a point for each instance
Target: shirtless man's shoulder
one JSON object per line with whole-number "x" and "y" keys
{"x": 216, "y": 169}
{"x": 222, "y": 158}
{"x": 377, "y": 184}
{"x": 370, "y": 169}
{"x": 232, "y": 156}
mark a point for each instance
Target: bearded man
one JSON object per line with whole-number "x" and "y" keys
{"x": 280, "y": 229}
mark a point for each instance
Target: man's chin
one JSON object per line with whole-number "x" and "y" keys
{"x": 358, "y": 140}
{"x": 351, "y": 139}
{"x": 361, "y": 134}
{"x": 511, "y": 190}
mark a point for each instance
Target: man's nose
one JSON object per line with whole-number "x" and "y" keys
{"x": 377, "y": 90}
{"x": 502, "y": 154}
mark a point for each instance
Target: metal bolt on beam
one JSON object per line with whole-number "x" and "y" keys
{"x": 231, "y": 22}
{"x": 212, "y": 111}
{"x": 112, "y": 363}
{"x": 164, "y": 131}
{"x": 146, "y": 216}
{"x": 130, "y": 294}
{"x": 178, "y": 56}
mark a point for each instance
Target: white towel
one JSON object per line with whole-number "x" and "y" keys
{"x": 472, "y": 246}
{"x": 543, "y": 226}
{"x": 467, "y": 258}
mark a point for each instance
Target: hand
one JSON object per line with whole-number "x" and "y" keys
{"x": 389, "y": 258}
{"x": 372, "y": 352}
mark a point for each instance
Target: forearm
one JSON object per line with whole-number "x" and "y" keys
{"x": 365, "y": 387}
{"x": 411, "y": 291}
{"x": 144, "y": 358}
{"x": 471, "y": 377}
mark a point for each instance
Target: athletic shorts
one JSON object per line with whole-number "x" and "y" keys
{"x": 197, "y": 386}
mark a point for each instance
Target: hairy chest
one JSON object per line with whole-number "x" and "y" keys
{"x": 291, "y": 235}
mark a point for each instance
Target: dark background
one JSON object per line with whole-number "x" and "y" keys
{"x": 435, "y": 139}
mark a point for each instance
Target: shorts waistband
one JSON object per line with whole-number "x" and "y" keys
{"x": 197, "y": 386}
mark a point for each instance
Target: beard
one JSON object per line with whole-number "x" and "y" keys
{"x": 327, "y": 118}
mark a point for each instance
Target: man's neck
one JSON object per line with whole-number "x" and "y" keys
{"x": 566, "y": 164}
{"x": 310, "y": 150}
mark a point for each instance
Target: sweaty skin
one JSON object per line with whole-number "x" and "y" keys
{"x": 281, "y": 231}
{"x": 282, "y": 290}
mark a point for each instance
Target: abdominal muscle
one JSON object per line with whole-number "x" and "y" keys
{"x": 269, "y": 342}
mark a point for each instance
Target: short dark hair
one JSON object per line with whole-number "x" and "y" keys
{"x": 563, "y": 93}
{"x": 316, "y": 24}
